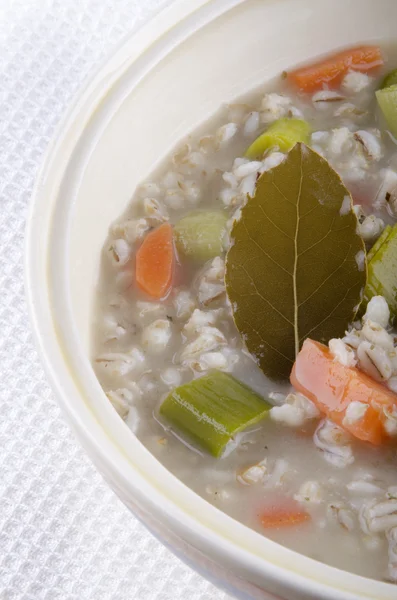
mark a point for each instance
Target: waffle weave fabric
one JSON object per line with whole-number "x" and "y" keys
{"x": 64, "y": 535}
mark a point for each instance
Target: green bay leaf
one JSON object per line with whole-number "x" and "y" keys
{"x": 295, "y": 268}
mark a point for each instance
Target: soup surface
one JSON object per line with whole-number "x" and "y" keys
{"x": 288, "y": 461}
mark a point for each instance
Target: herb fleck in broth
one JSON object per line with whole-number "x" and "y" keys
{"x": 332, "y": 472}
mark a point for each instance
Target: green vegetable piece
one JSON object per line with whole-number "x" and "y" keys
{"x": 379, "y": 242}
{"x": 284, "y": 134}
{"x": 370, "y": 255}
{"x": 389, "y": 80}
{"x": 382, "y": 269}
{"x": 387, "y": 100}
{"x": 293, "y": 269}
{"x": 200, "y": 235}
{"x": 212, "y": 409}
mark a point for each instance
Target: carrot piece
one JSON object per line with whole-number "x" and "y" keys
{"x": 155, "y": 262}
{"x": 331, "y": 71}
{"x": 332, "y": 387}
{"x": 287, "y": 515}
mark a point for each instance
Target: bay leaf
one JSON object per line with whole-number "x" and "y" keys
{"x": 295, "y": 268}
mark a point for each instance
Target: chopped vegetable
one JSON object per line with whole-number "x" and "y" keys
{"x": 200, "y": 235}
{"x": 382, "y": 269}
{"x": 301, "y": 212}
{"x": 285, "y": 515}
{"x": 155, "y": 262}
{"x": 330, "y": 71}
{"x": 387, "y": 100}
{"x": 212, "y": 409}
{"x": 282, "y": 134}
{"x": 333, "y": 387}
{"x": 389, "y": 80}
{"x": 379, "y": 242}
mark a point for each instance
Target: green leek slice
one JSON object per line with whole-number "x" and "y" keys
{"x": 210, "y": 410}
{"x": 382, "y": 269}
{"x": 379, "y": 242}
{"x": 387, "y": 100}
{"x": 200, "y": 235}
{"x": 283, "y": 134}
{"x": 389, "y": 80}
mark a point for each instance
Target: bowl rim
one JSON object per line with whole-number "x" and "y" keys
{"x": 154, "y": 33}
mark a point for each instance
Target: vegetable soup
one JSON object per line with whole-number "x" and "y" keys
{"x": 245, "y": 309}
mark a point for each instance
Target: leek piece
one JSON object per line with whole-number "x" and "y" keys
{"x": 210, "y": 410}
{"x": 283, "y": 134}
{"x": 379, "y": 242}
{"x": 200, "y": 235}
{"x": 382, "y": 269}
{"x": 389, "y": 80}
{"x": 387, "y": 100}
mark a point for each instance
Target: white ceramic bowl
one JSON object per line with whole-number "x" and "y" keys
{"x": 169, "y": 77}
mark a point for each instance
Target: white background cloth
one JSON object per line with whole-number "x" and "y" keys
{"x": 63, "y": 533}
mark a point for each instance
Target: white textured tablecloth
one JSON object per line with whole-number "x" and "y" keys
{"x": 63, "y": 533}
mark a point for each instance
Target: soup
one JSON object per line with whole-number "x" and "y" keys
{"x": 244, "y": 311}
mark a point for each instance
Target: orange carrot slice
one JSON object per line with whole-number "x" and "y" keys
{"x": 287, "y": 515}
{"x": 330, "y": 72}
{"x": 155, "y": 262}
{"x": 332, "y": 387}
